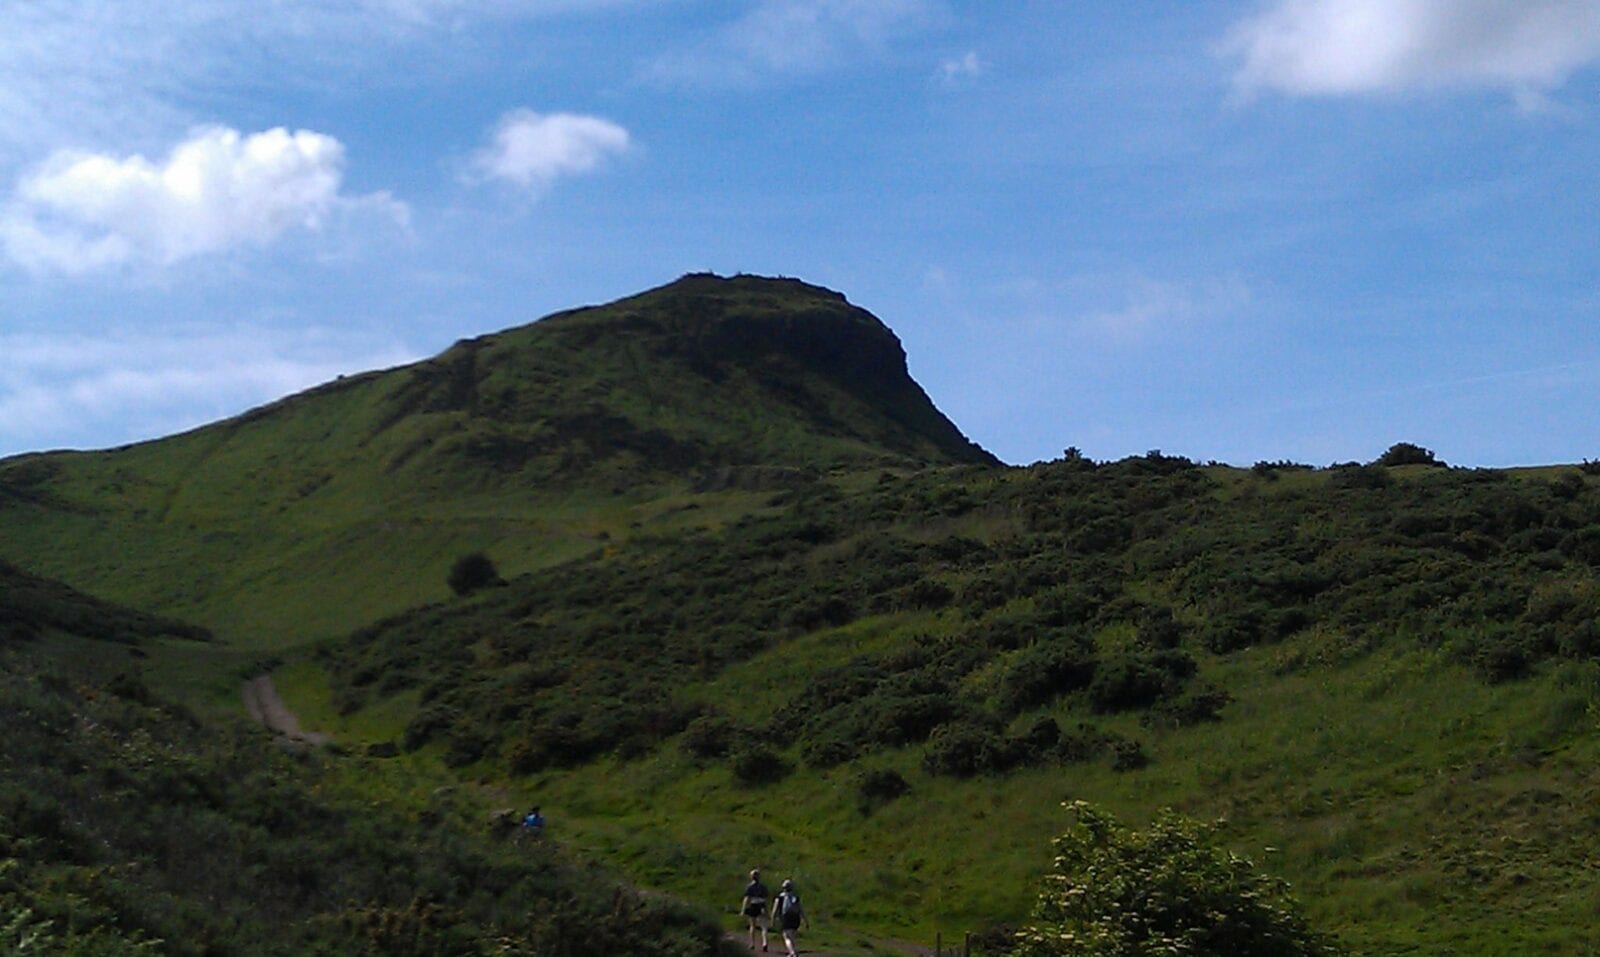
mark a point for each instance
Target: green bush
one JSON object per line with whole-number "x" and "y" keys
{"x": 1130, "y": 681}
{"x": 759, "y": 764}
{"x": 710, "y": 736}
{"x": 472, "y": 572}
{"x": 1194, "y": 706}
{"x": 878, "y": 787}
{"x": 964, "y": 750}
{"x": 1406, "y": 453}
{"x": 1166, "y": 891}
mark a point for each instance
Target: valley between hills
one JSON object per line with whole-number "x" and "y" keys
{"x": 705, "y": 574}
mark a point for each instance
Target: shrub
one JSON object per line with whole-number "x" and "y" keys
{"x": 1126, "y": 682}
{"x": 1085, "y": 743}
{"x": 709, "y": 736}
{"x": 1194, "y": 706}
{"x": 1158, "y": 629}
{"x": 1044, "y": 671}
{"x": 1232, "y": 631}
{"x": 878, "y": 787}
{"x": 1042, "y": 737}
{"x": 1168, "y": 889}
{"x": 1405, "y": 453}
{"x": 471, "y": 573}
{"x": 965, "y": 750}
{"x": 1128, "y": 754}
{"x": 759, "y": 764}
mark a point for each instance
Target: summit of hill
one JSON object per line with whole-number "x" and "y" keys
{"x": 706, "y": 372}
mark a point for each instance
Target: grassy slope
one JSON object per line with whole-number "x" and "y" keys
{"x": 1435, "y": 795}
{"x": 128, "y": 825}
{"x": 1390, "y": 789}
{"x": 1418, "y": 808}
{"x": 317, "y": 514}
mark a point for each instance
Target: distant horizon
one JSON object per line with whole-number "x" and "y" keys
{"x": 1248, "y": 230}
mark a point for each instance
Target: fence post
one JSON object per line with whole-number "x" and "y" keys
{"x": 966, "y": 945}
{"x": 938, "y": 945}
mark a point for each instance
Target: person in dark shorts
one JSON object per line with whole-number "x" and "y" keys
{"x": 754, "y": 908}
{"x": 789, "y": 915}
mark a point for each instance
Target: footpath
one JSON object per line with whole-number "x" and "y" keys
{"x": 774, "y": 944}
{"x": 262, "y": 703}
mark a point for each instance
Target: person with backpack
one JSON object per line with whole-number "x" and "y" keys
{"x": 533, "y": 823}
{"x": 789, "y": 915}
{"x": 754, "y": 908}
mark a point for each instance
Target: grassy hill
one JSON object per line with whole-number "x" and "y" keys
{"x": 129, "y": 826}
{"x": 764, "y": 605}
{"x": 329, "y": 509}
{"x": 1385, "y": 678}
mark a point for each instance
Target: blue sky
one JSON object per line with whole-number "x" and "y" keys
{"x": 1238, "y": 230}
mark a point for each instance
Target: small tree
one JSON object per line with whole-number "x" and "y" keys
{"x": 1168, "y": 890}
{"x": 472, "y": 572}
{"x": 1405, "y": 453}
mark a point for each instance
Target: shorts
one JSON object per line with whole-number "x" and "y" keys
{"x": 755, "y": 909}
{"x": 791, "y": 922}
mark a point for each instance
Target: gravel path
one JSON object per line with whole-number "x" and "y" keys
{"x": 262, "y": 703}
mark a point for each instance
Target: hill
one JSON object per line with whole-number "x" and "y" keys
{"x": 31, "y": 606}
{"x": 1384, "y": 675}
{"x": 129, "y": 826}
{"x": 755, "y": 602}
{"x": 331, "y": 508}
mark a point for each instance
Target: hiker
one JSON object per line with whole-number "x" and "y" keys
{"x": 533, "y": 824}
{"x": 789, "y": 915}
{"x": 754, "y": 908}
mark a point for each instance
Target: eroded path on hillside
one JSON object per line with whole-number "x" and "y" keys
{"x": 262, "y": 703}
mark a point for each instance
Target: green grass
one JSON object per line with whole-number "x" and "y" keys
{"x": 1384, "y": 788}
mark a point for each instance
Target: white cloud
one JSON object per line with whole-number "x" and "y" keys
{"x": 215, "y": 191}
{"x": 1334, "y": 47}
{"x": 1144, "y": 307}
{"x": 797, "y": 37}
{"x": 105, "y": 390}
{"x": 965, "y": 67}
{"x": 532, "y": 149}
{"x": 125, "y": 74}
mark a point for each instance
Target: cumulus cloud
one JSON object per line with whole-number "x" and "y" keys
{"x": 1335, "y": 47}
{"x": 532, "y": 150}
{"x": 963, "y": 67}
{"x": 796, "y": 37}
{"x": 105, "y": 390}
{"x": 114, "y": 74}
{"x": 215, "y": 191}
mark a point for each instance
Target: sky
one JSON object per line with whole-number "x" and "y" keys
{"x": 1239, "y": 230}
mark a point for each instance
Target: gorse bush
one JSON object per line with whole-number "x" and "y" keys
{"x": 1168, "y": 890}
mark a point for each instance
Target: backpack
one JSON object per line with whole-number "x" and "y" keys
{"x": 789, "y": 904}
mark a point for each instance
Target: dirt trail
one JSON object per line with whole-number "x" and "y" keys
{"x": 264, "y": 706}
{"x": 775, "y": 945}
